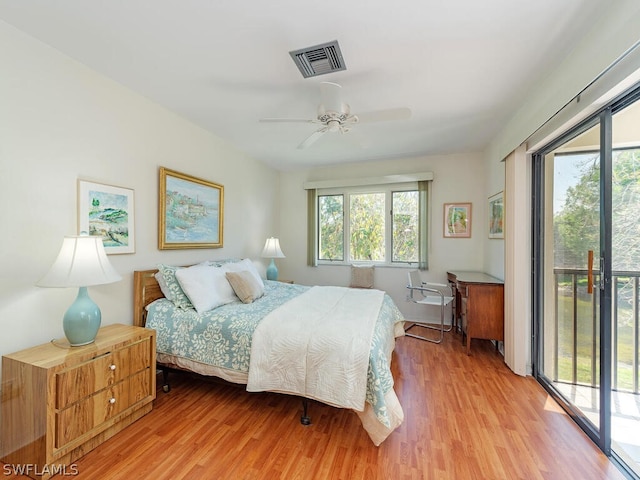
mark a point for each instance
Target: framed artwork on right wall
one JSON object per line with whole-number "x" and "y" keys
{"x": 496, "y": 215}
{"x": 457, "y": 220}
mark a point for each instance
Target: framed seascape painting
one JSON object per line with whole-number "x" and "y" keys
{"x": 190, "y": 211}
{"x": 496, "y": 215}
{"x": 107, "y": 211}
{"x": 457, "y": 220}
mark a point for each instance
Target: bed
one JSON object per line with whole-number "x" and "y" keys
{"x": 293, "y": 339}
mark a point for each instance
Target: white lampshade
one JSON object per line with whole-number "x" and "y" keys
{"x": 272, "y": 249}
{"x": 82, "y": 262}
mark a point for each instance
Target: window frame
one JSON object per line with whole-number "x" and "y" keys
{"x": 346, "y": 192}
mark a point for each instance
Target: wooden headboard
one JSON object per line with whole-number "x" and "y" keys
{"x": 145, "y": 291}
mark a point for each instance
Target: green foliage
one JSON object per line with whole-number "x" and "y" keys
{"x": 367, "y": 215}
{"x": 331, "y": 221}
{"x": 577, "y": 225}
{"x": 626, "y": 207}
{"x": 405, "y": 226}
{"x": 585, "y": 342}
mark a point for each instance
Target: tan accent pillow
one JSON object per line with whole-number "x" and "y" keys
{"x": 362, "y": 276}
{"x": 245, "y": 285}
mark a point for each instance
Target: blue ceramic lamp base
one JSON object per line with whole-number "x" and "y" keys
{"x": 81, "y": 321}
{"x": 272, "y": 271}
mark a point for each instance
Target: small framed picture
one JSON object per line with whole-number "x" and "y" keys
{"x": 457, "y": 220}
{"x": 190, "y": 212}
{"x": 496, "y": 215}
{"x": 107, "y": 211}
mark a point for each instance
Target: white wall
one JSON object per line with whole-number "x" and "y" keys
{"x": 60, "y": 121}
{"x": 493, "y": 263}
{"x": 457, "y": 178}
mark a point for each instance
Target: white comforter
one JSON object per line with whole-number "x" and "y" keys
{"x": 317, "y": 346}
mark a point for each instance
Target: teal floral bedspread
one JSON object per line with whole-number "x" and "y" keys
{"x": 222, "y": 336}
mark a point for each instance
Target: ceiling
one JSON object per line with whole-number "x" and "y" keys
{"x": 461, "y": 66}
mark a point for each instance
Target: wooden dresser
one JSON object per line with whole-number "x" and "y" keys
{"x": 479, "y": 305}
{"x": 60, "y": 402}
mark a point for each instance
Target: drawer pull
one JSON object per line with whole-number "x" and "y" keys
{"x": 112, "y": 367}
{"x": 112, "y": 401}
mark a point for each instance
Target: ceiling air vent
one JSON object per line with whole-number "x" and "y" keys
{"x": 319, "y": 59}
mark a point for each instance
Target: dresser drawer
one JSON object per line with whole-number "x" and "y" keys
{"x": 77, "y": 383}
{"x": 92, "y": 412}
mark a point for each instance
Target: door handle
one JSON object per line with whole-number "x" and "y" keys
{"x": 590, "y": 271}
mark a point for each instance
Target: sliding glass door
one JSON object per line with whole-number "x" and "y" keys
{"x": 570, "y": 329}
{"x": 625, "y": 284}
{"x": 587, "y": 270}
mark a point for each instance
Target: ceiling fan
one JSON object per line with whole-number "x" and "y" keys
{"x": 335, "y": 116}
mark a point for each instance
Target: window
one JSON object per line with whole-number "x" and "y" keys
{"x": 331, "y": 222}
{"x": 404, "y": 211}
{"x": 370, "y": 224}
{"x": 366, "y": 227}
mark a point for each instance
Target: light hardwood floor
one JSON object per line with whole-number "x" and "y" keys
{"x": 466, "y": 417}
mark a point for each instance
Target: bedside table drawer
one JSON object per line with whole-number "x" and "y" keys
{"x": 96, "y": 410}
{"x": 84, "y": 416}
{"x": 77, "y": 383}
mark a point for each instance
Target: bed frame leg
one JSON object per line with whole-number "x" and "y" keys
{"x": 166, "y": 388}
{"x": 304, "y": 418}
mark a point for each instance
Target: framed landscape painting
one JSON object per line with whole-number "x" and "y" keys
{"x": 191, "y": 212}
{"x": 496, "y": 215}
{"x": 107, "y": 211}
{"x": 457, "y": 220}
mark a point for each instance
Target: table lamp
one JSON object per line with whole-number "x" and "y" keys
{"x": 272, "y": 250}
{"x": 82, "y": 262}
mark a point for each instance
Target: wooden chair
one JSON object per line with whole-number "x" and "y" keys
{"x": 430, "y": 294}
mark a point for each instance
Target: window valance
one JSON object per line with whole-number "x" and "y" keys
{"x": 357, "y": 182}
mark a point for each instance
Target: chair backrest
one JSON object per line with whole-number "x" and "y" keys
{"x": 414, "y": 278}
{"x": 362, "y": 276}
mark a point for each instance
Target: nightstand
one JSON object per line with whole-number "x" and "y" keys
{"x": 59, "y": 402}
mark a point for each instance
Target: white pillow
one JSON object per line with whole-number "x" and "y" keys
{"x": 170, "y": 287}
{"x": 206, "y": 286}
{"x": 244, "y": 265}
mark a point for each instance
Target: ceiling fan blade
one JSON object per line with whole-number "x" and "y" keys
{"x": 350, "y": 120}
{"x": 313, "y": 138}
{"x": 288, "y": 120}
{"x": 384, "y": 115}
